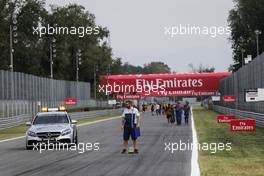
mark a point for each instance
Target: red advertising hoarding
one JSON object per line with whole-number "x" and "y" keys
{"x": 230, "y": 99}
{"x": 70, "y": 101}
{"x": 200, "y": 84}
{"x": 248, "y": 125}
{"x": 225, "y": 118}
{"x": 128, "y": 96}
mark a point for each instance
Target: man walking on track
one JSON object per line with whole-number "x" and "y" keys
{"x": 157, "y": 109}
{"x": 152, "y": 109}
{"x": 170, "y": 114}
{"x": 187, "y": 110}
{"x": 130, "y": 124}
{"x": 178, "y": 113}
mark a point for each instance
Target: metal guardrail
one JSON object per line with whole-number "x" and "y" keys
{"x": 21, "y": 86}
{"x": 241, "y": 114}
{"x": 14, "y": 121}
{"x": 11, "y": 108}
{"x": 22, "y": 94}
{"x": 21, "y": 119}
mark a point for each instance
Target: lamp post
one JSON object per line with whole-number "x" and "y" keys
{"x": 13, "y": 40}
{"x": 78, "y": 61}
{"x": 52, "y": 55}
{"x": 257, "y": 32}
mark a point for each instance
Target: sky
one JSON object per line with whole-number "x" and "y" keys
{"x": 139, "y": 30}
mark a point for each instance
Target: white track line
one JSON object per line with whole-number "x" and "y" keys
{"x": 84, "y": 124}
{"x": 97, "y": 121}
{"x": 194, "y": 163}
{"x": 12, "y": 139}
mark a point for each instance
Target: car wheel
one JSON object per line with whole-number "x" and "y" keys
{"x": 76, "y": 139}
{"x": 29, "y": 147}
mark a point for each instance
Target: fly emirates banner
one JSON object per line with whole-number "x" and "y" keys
{"x": 200, "y": 84}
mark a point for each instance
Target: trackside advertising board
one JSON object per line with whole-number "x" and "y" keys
{"x": 225, "y": 118}
{"x": 128, "y": 97}
{"x": 70, "y": 101}
{"x": 247, "y": 125}
{"x": 216, "y": 98}
{"x": 229, "y": 99}
{"x": 111, "y": 102}
{"x": 251, "y": 95}
{"x": 254, "y": 95}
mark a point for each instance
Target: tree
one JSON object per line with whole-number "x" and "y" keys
{"x": 131, "y": 69}
{"x": 244, "y": 19}
{"x": 93, "y": 53}
{"x": 116, "y": 66}
{"x": 32, "y": 52}
{"x": 3, "y": 35}
{"x": 201, "y": 69}
{"x": 156, "y": 68}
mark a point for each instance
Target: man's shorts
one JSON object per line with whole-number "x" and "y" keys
{"x": 129, "y": 132}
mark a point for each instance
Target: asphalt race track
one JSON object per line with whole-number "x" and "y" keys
{"x": 152, "y": 158}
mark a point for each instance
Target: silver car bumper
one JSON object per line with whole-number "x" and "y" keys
{"x": 31, "y": 141}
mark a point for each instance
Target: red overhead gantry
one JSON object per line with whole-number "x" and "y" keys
{"x": 196, "y": 84}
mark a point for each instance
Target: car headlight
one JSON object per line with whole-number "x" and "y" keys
{"x": 31, "y": 133}
{"x": 65, "y": 132}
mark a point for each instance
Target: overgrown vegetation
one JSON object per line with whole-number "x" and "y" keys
{"x": 246, "y": 157}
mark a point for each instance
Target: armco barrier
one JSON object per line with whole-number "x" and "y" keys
{"x": 14, "y": 108}
{"x": 241, "y": 114}
{"x": 14, "y": 121}
{"x": 21, "y": 119}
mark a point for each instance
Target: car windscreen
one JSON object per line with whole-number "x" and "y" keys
{"x": 51, "y": 119}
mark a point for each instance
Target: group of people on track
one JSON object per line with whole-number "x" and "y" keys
{"x": 157, "y": 108}
{"x": 173, "y": 112}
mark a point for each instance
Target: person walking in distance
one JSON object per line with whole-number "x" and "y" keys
{"x": 187, "y": 111}
{"x": 163, "y": 109}
{"x": 157, "y": 109}
{"x": 172, "y": 118}
{"x": 143, "y": 108}
{"x": 152, "y": 109}
{"x": 169, "y": 113}
{"x": 160, "y": 109}
{"x": 178, "y": 113}
{"x": 130, "y": 123}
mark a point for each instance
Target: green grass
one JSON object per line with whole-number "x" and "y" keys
{"x": 246, "y": 158}
{"x": 13, "y": 132}
{"x": 21, "y": 129}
